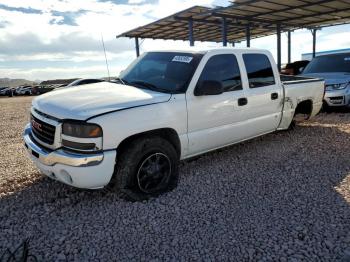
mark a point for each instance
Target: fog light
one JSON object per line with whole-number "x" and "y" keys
{"x": 64, "y": 175}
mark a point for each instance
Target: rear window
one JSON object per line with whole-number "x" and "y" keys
{"x": 329, "y": 64}
{"x": 259, "y": 70}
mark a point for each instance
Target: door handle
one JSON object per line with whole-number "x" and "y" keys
{"x": 242, "y": 101}
{"x": 274, "y": 96}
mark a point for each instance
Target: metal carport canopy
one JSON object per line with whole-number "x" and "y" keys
{"x": 244, "y": 20}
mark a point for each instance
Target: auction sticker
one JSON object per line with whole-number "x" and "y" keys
{"x": 182, "y": 59}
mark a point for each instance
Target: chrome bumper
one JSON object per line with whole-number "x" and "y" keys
{"x": 58, "y": 156}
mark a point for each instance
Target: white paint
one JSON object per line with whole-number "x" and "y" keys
{"x": 203, "y": 123}
{"x": 84, "y": 101}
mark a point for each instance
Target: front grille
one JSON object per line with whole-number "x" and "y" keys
{"x": 336, "y": 98}
{"x": 43, "y": 131}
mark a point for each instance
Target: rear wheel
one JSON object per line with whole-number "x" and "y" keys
{"x": 147, "y": 168}
{"x": 298, "y": 118}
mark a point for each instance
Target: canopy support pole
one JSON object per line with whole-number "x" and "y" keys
{"x": 289, "y": 46}
{"x": 190, "y": 32}
{"x": 247, "y": 34}
{"x": 314, "y": 42}
{"x": 279, "y": 47}
{"x": 224, "y": 31}
{"x": 137, "y": 46}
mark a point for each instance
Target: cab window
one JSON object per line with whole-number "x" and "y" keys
{"x": 223, "y": 68}
{"x": 259, "y": 70}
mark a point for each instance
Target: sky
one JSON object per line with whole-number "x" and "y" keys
{"x": 52, "y": 39}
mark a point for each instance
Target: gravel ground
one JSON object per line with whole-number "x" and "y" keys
{"x": 281, "y": 197}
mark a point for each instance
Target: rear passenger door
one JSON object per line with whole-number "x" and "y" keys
{"x": 264, "y": 94}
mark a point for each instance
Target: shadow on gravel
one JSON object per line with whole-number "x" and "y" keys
{"x": 337, "y": 110}
{"x": 281, "y": 196}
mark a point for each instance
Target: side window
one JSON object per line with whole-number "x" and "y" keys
{"x": 259, "y": 70}
{"x": 223, "y": 68}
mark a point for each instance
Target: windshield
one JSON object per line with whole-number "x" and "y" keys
{"x": 329, "y": 64}
{"x": 168, "y": 72}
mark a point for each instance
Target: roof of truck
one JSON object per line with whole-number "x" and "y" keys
{"x": 203, "y": 50}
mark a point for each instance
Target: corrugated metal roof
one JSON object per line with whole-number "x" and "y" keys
{"x": 262, "y": 16}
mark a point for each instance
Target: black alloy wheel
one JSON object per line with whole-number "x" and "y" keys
{"x": 153, "y": 172}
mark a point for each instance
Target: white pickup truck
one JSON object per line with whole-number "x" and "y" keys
{"x": 167, "y": 106}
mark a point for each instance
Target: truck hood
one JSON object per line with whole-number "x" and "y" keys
{"x": 83, "y": 102}
{"x": 331, "y": 78}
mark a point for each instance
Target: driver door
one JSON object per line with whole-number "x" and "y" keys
{"x": 216, "y": 120}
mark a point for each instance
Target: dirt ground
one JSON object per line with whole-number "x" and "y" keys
{"x": 281, "y": 197}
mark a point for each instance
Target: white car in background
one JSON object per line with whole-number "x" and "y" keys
{"x": 24, "y": 90}
{"x": 4, "y": 91}
{"x": 85, "y": 81}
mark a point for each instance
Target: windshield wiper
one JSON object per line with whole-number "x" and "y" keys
{"x": 121, "y": 80}
{"x": 143, "y": 83}
{"x": 149, "y": 86}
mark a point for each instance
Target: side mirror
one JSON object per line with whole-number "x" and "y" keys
{"x": 209, "y": 88}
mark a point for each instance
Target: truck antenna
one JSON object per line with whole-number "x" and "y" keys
{"x": 104, "y": 50}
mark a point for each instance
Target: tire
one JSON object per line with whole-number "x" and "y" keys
{"x": 291, "y": 126}
{"x": 141, "y": 156}
{"x": 326, "y": 108}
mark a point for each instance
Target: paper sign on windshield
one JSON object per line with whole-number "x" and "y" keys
{"x": 182, "y": 59}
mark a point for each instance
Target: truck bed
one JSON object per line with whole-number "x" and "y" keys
{"x": 290, "y": 80}
{"x": 298, "y": 89}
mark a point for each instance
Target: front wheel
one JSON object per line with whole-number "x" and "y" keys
{"x": 146, "y": 168}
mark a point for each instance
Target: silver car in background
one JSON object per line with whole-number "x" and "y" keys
{"x": 335, "y": 70}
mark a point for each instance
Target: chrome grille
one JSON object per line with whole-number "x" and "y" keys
{"x": 43, "y": 131}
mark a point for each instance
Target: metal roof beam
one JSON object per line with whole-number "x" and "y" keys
{"x": 316, "y": 14}
{"x": 325, "y": 21}
{"x": 291, "y": 8}
{"x": 156, "y": 23}
{"x": 197, "y": 20}
{"x": 245, "y": 18}
{"x": 229, "y": 22}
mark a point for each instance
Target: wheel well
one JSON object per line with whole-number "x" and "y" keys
{"x": 304, "y": 107}
{"x": 167, "y": 133}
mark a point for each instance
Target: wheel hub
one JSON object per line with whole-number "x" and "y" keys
{"x": 153, "y": 172}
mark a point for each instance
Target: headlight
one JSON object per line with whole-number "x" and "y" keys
{"x": 337, "y": 86}
{"x": 82, "y": 130}
{"x": 81, "y": 136}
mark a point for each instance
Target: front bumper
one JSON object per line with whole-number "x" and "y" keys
{"x": 338, "y": 97}
{"x": 90, "y": 171}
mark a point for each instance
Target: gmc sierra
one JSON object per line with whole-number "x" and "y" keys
{"x": 165, "y": 107}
